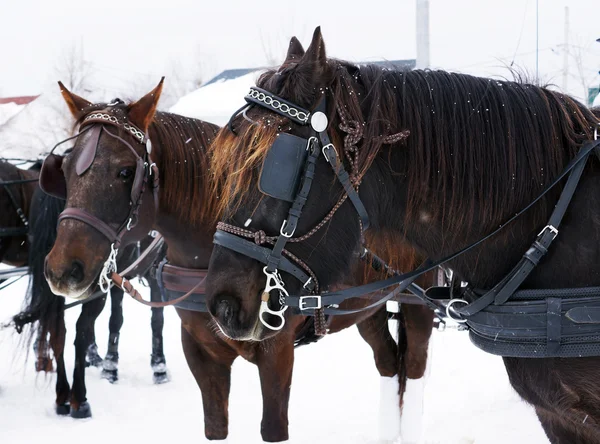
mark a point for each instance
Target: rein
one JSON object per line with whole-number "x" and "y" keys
{"x": 314, "y": 303}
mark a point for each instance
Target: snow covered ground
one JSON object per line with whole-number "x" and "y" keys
{"x": 467, "y": 395}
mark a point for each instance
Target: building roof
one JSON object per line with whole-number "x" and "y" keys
{"x": 230, "y": 74}
{"x": 21, "y": 100}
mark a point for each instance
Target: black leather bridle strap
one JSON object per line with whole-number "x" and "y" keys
{"x": 331, "y": 156}
{"x": 289, "y": 225}
{"x": 261, "y": 254}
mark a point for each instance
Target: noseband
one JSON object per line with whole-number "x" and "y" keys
{"x": 52, "y": 181}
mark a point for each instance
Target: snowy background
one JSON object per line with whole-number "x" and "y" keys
{"x": 467, "y": 397}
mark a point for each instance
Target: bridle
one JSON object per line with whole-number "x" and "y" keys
{"x": 296, "y": 191}
{"x": 52, "y": 180}
{"x": 312, "y": 303}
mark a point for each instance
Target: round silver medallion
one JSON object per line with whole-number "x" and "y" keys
{"x": 318, "y": 121}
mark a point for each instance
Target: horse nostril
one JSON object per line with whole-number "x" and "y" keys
{"x": 76, "y": 273}
{"x": 224, "y": 311}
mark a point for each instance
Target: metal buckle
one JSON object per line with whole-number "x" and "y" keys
{"x": 325, "y": 148}
{"x": 282, "y": 231}
{"x": 551, "y": 228}
{"x": 307, "y": 282}
{"x": 311, "y": 140}
{"x": 303, "y": 303}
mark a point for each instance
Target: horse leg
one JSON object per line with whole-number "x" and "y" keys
{"x": 210, "y": 363}
{"x": 157, "y": 361}
{"x": 43, "y": 362}
{"x": 275, "y": 363}
{"x": 110, "y": 365}
{"x": 80, "y": 408}
{"x": 564, "y": 393}
{"x": 92, "y": 357}
{"x": 418, "y": 325}
{"x": 63, "y": 391}
{"x": 374, "y": 330}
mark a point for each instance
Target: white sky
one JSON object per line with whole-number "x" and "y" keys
{"x": 136, "y": 41}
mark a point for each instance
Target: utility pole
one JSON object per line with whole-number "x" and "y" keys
{"x": 565, "y": 82}
{"x": 422, "y": 34}
{"x": 537, "y": 40}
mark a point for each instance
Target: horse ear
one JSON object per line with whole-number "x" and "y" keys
{"x": 295, "y": 50}
{"x": 142, "y": 112}
{"x": 75, "y": 103}
{"x": 316, "y": 51}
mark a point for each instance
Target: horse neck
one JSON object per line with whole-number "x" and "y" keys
{"x": 189, "y": 242}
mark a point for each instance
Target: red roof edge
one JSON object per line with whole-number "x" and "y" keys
{"x": 21, "y": 100}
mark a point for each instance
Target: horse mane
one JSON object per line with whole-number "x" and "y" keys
{"x": 478, "y": 148}
{"x": 180, "y": 148}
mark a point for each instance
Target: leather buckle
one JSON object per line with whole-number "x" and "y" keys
{"x": 553, "y": 229}
{"x": 304, "y": 305}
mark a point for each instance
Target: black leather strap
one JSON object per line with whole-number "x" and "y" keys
{"x": 507, "y": 287}
{"x": 259, "y": 253}
{"x": 295, "y": 211}
{"x": 331, "y": 155}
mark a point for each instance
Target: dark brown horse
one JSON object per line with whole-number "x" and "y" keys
{"x": 25, "y": 240}
{"x": 442, "y": 159}
{"x": 14, "y": 208}
{"x": 180, "y": 149}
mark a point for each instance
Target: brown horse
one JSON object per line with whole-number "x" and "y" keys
{"x": 14, "y": 208}
{"x": 26, "y": 236}
{"x": 180, "y": 149}
{"x": 442, "y": 158}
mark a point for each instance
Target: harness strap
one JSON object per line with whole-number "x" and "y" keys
{"x": 145, "y": 259}
{"x": 13, "y": 199}
{"x": 507, "y": 286}
{"x": 13, "y": 231}
{"x": 339, "y": 296}
{"x": 258, "y": 253}
{"x": 338, "y": 168}
{"x": 131, "y": 291}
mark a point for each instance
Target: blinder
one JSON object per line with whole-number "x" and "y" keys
{"x": 282, "y": 167}
{"x": 52, "y": 179}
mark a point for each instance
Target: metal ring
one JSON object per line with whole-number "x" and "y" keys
{"x": 452, "y": 302}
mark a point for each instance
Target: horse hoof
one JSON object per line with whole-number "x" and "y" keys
{"x": 93, "y": 361}
{"x": 160, "y": 377}
{"x": 92, "y": 358}
{"x": 111, "y": 361}
{"x": 111, "y": 376}
{"x": 63, "y": 409}
{"x": 84, "y": 411}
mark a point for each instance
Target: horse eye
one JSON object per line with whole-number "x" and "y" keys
{"x": 126, "y": 173}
